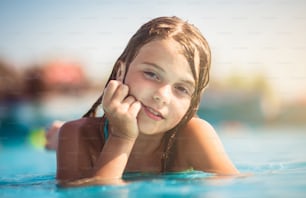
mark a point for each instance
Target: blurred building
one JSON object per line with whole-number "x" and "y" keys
{"x": 10, "y": 82}
{"x": 64, "y": 76}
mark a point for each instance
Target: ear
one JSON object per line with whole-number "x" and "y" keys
{"x": 121, "y": 72}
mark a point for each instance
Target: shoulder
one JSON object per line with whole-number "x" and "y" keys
{"x": 79, "y": 126}
{"x": 197, "y": 136}
{"x": 79, "y": 134}
{"x": 202, "y": 148}
{"x": 82, "y": 122}
{"x": 196, "y": 128}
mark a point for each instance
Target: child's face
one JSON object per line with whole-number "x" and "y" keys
{"x": 161, "y": 79}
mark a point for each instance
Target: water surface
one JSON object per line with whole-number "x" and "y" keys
{"x": 275, "y": 158}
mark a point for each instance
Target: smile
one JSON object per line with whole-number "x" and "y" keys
{"x": 153, "y": 114}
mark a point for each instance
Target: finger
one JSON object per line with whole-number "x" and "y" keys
{"x": 129, "y": 100}
{"x": 109, "y": 92}
{"x": 121, "y": 93}
{"x": 135, "y": 108}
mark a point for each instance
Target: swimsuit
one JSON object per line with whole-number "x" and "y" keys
{"x": 105, "y": 131}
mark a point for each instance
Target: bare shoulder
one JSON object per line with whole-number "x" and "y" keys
{"x": 80, "y": 124}
{"x": 78, "y": 136}
{"x": 202, "y": 148}
{"x": 198, "y": 127}
{"x": 198, "y": 133}
{"x": 77, "y": 126}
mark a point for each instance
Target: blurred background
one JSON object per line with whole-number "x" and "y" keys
{"x": 56, "y": 55}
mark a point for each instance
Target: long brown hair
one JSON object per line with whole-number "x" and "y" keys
{"x": 194, "y": 47}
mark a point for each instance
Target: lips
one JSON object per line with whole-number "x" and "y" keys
{"x": 152, "y": 113}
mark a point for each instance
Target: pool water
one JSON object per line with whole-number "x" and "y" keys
{"x": 275, "y": 157}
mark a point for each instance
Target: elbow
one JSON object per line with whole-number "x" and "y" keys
{"x": 92, "y": 181}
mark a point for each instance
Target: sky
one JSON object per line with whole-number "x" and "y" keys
{"x": 246, "y": 36}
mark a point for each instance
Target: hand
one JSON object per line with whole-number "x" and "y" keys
{"x": 52, "y": 135}
{"x": 121, "y": 109}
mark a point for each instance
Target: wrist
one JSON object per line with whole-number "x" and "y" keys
{"x": 124, "y": 137}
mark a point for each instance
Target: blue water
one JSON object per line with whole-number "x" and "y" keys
{"x": 275, "y": 157}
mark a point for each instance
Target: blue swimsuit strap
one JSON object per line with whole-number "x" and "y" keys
{"x": 105, "y": 131}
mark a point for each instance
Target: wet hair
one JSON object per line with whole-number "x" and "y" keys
{"x": 194, "y": 47}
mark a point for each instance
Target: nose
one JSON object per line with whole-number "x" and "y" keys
{"x": 162, "y": 94}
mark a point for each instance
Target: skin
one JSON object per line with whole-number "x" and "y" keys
{"x": 52, "y": 135}
{"x": 151, "y": 99}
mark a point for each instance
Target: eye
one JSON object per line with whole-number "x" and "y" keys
{"x": 183, "y": 90}
{"x": 151, "y": 75}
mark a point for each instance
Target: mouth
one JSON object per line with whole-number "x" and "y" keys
{"x": 152, "y": 113}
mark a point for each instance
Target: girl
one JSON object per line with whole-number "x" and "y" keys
{"x": 149, "y": 103}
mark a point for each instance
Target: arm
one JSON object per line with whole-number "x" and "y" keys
{"x": 121, "y": 111}
{"x": 204, "y": 150}
{"x": 74, "y": 164}
{"x": 114, "y": 157}
{"x": 107, "y": 170}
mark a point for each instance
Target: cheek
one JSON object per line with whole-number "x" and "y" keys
{"x": 135, "y": 84}
{"x": 179, "y": 110}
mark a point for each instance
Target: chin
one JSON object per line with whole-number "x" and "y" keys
{"x": 148, "y": 129}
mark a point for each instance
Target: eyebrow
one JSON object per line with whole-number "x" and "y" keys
{"x": 154, "y": 65}
{"x": 189, "y": 82}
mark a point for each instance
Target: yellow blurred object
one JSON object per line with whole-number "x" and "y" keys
{"x": 37, "y": 138}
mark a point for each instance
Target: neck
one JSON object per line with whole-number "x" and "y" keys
{"x": 146, "y": 154}
{"x": 149, "y": 144}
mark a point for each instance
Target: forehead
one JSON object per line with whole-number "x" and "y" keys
{"x": 166, "y": 53}
{"x": 170, "y": 46}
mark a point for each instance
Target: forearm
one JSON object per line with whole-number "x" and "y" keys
{"x": 113, "y": 158}
{"x": 109, "y": 167}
